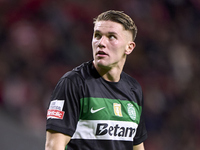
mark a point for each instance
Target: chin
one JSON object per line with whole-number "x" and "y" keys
{"x": 100, "y": 63}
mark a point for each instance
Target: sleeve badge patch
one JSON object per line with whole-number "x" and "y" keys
{"x": 55, "y": 109}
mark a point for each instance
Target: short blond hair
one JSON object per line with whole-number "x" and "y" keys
{"x": 119, "y": 17}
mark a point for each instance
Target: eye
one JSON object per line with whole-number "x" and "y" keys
{"x": 97, "y": 36}
{"x": 111, "y": 37}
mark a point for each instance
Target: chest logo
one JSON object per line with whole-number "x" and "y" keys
{"x": 94, "y": 111}
{"x": 117, "y": 109}
{"x": 131, "y": 111}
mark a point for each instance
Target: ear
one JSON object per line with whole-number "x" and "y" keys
{"x": 130, "y": 47}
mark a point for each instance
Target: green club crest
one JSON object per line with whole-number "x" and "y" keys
{"x": 131, "y": 111}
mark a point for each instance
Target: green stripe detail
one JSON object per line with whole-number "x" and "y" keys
{"x": 108, "y": 112}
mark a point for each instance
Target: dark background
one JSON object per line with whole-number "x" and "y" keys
{"x": 40, "y": 40}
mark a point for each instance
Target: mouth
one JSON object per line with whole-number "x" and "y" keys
{"x": 101, "y": 53}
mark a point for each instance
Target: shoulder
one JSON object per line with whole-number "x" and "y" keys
{"x": 131, "y": 81}
{"x": 79, "y": 73}
{"x": 133, "y": 84}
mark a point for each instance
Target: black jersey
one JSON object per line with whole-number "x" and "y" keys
{"x": 97, "y": 114}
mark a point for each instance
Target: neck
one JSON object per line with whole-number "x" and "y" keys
{"x": 109, "y": 74}
{"x": 112, "y": 76}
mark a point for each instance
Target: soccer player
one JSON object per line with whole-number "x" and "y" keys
{"x": 97, "y": 106}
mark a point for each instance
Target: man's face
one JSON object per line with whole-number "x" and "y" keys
{"x": 111, "y": 43}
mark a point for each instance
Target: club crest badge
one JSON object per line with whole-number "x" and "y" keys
{"x": 131, "y": 111}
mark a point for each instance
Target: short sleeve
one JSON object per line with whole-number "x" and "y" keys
{"x": 64, "y": 107}
{"x": 141, "y": 134}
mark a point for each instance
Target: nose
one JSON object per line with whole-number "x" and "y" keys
{"x": 101, "y": 43}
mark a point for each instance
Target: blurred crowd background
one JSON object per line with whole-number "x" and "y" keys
{"x": 40, "y": 40}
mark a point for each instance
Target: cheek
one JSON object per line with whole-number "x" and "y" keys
{"x": 94, "y": 43}
{"x": 118, "y": 47}
{"x": 94, "y": 47}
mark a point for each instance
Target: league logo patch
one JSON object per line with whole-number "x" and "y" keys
{"x": 131, "y": 111}
{"x": 117, "y": 109}
{"x": 55, "y": 109}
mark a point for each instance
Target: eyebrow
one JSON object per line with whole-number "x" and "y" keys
{"x": 110, "y": 33}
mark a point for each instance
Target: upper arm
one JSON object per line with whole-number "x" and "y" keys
{"x": 56, "y": 141}
{"x": 138, "y": 147}
{"x": 64, "y": 108}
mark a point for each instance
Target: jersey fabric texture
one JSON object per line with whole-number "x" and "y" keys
{"x": 97, "y": 114}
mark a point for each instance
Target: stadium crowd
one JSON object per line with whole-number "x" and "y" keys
{"x": 40, "y": 40}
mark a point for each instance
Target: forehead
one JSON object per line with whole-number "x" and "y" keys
{"x": 108, "y": 25}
